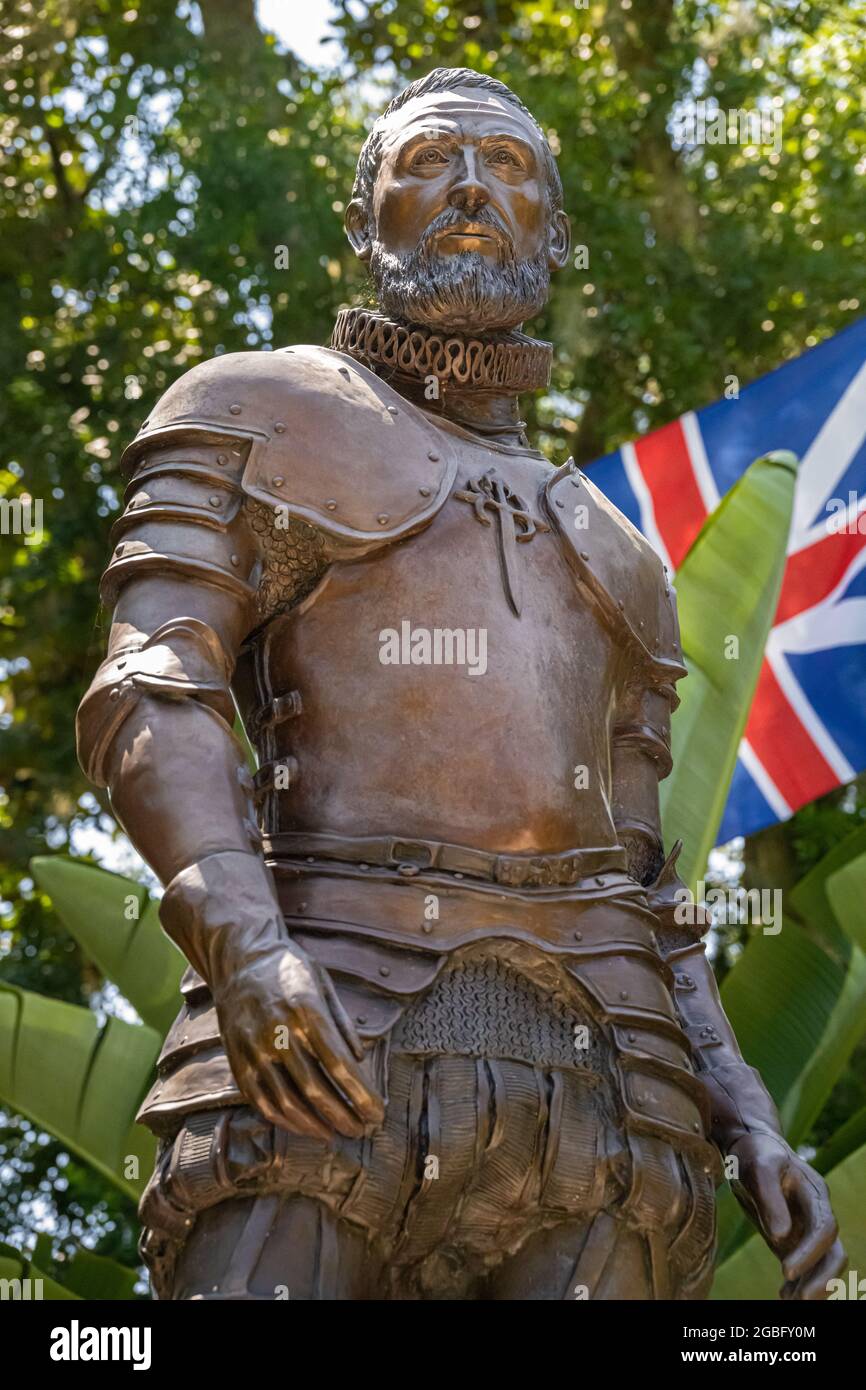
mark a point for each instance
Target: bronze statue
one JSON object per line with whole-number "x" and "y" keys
{"x": 441, "y": 1034}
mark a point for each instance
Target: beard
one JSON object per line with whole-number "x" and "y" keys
{"x": 466, "y": 291}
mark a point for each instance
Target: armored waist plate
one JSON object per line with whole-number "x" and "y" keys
{"x": 378, "y": 936}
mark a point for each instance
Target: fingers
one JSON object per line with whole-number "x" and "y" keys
{"x": 326, "y": 1045}
{"x": 319, "y": 1090}
{"x": 812, "y": 1287}
{"x": 272, "y": 1094}
{"x": 819, "y": 1224}
{"x": 765, "y": 1202}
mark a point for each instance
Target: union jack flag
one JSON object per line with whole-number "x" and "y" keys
{"x": 806, "y": 731}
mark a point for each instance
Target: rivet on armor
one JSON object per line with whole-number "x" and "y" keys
{"x": 640, "y": 624}
{"x": 215, "y": 501}
{"x": 426, "y": 928}
{"x": 363, "y": 867}
{"x": 115, "y": 694}
{"x": 234, "y": 410}
{"x": 383, "y": 519}
{"x": 361, "y": 1018}
{"x": 407, "y": 870}
{"x": 578, "y": 936}
{"x": 559, "y": 502}
{"x": 310, "y": 859}
{"x": 620, "y": 603}
{"x": 623, "y": 994}
{"x": 278, "y": 481}
{"x": 392, "y": 410}
{"x": 118, "y": 550}
{"x": 279, "y": 427}
{"x": 632, "y": 1037}
{"x": 696, "y": 1127}
{"x": 600, "y": 882}
{"x": 235, "y": 560}
{"x": 331, "y": 504}
{"x": 584, "y": 555}
{"x": 302, "y": 907}
{"x": 433, "y": 456}
{"x": 424, "y": 491}
{"x": 384, "y": 970}
{"x": 222, "y": 460}
{"x": 458, "y": 875}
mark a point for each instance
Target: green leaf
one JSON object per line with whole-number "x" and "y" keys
{"x": 846, "y": 894}
{"x": 81, "y": 1082}
{"x": 116, "y": 923}
{"x": 810, "y": 899}
{"x": 847, "y": 1138}
{"x": 85, "y": 1275}
{"x": 753, "y": 1271}
{"x": 727, "y": 586}
{"x": 15, "y": 1265}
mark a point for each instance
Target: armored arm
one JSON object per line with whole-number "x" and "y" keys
{"x": 785, "y": 1198}
{"x": 155, "y": 727}
{"x": 641, "y": 758}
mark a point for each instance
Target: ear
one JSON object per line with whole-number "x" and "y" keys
{"x": 559, "y": 243}
{"x": 358, "y": 229}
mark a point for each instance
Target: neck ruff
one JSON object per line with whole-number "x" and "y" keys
{"x": 511, "y": 362}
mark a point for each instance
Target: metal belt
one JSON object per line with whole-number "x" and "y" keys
{"x": 411, "y": 856}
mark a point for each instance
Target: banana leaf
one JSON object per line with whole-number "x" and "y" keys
{"x": 85, "y": 1275}
{"x": 31, "y": 1283}
{"x": 846, "y": 893}
{"x": 753, "y": 1271}
{"x": 847, "y": 1138}
{"x": 81, "y": 1082}
{"x": 727, "y": 586}
{"x": 116, "y": 924}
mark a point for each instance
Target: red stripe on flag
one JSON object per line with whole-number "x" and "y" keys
{"x": 666, "y": 465}
{"x": 813, "y": 573}
{"x": 784, "y": 745}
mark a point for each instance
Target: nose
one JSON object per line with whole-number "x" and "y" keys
{"x": 468, "y": 192}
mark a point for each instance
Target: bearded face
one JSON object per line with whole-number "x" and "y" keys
{"x": 458, "y": 220}
{"x": 463, "y": 290}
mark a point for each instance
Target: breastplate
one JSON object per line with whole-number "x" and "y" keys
{"x": 456, "y": 686}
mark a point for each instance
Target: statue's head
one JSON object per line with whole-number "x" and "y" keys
{"x": 457, "y": 205}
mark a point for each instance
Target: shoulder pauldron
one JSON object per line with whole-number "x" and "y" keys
{"x": 321, "y": 436}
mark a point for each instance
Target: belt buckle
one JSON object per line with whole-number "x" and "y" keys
{"x": 411, "y": 856}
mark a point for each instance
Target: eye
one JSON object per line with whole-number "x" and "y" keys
{"x": 430, "y": 156}
{"x": 503, "y": 156}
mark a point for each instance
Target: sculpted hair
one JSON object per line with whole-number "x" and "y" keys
{"x": 446, "y": 80}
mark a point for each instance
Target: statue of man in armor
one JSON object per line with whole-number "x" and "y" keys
{"x": 442, "y": 1035}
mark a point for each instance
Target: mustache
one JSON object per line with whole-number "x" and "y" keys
{"x": 453, "y": 219}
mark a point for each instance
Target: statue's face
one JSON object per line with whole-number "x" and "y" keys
{"x": 460, "y": 232}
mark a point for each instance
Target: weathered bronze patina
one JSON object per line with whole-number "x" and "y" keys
{"x": 441, "y": 1034}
